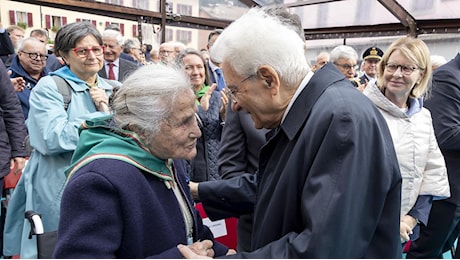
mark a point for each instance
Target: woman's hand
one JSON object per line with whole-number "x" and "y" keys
{"x": 200, "y": 249}
{"x": 204, "y": 102}
{"x": 406, "y": 226}
{"x": 100, "y": 99}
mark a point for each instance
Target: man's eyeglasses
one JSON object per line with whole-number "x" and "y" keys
{"x": 165, "y": 52}
{"x": 405, "y": 69}
{"x": 232, "y": 93}
{"x": 34, "y": 55}
{"x": 84, "y": 52}
{"x": 347, "y": 66}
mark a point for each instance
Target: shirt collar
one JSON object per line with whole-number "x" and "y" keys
{"x": 303, "y": 84}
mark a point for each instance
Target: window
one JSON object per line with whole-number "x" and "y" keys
{"x": 22, "y": 19}
{"x": 184, "y": 9}
{"x": 364, "y": 11}
{"x": 169, "y": 35}
{"x": 423, "y": 5}
{"x": 183, "y": 36}
{"x": 323, "y": 12}
{"x": 55, "y": 22}
{"x": 115, "y": 2}
{"x": 141, "y": 4}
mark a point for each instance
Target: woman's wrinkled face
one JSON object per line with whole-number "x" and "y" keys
{"x": 85, "y": 63}
{"x": 179, "y": 133}
{"x": 195, "y": 69}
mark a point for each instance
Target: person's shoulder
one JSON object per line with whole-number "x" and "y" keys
{"x": 127, "y": 63}
{"x": 108, "y": 168}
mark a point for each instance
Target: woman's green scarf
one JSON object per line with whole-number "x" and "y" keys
{"x": 98, "y": 139}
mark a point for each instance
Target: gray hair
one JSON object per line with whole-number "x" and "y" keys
{"x": 68, "y": 36}
{"x": 188, "y": 51}
{"x": 257, "y": 39}
{"x": 343, "y": 52}
{"x": 130, "y": 44}
{"x": 31, "y": 40}
{"x": 144, "y": 100}
{"x": 109, "y": 33}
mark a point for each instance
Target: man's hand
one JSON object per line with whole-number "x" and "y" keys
{"x": 200, "y": 249}
{"x": 189, "y": 254}
{"x": 19, "y": 162}
{"x": 18, "y": 83}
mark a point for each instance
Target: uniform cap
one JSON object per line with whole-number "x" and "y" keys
{"x": 373, "y": 53}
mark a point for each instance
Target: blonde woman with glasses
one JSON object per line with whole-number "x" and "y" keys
{"x": 404, "y": 73}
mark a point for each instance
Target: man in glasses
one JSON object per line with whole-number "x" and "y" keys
{"x": 28, "y": 65}
{"x": 328, "y": 183}
{"x": 52, "y": 63}
{"x": 345, "y": 59}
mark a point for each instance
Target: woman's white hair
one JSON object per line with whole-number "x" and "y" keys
{"x": 146, "y": 98}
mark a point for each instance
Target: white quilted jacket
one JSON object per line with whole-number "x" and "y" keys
{"x": 422, "y": 165}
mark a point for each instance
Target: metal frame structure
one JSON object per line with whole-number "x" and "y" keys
{"x": 408, "y": 24}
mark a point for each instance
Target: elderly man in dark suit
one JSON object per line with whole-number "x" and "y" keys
{"x": 114, "y": 67}
{"x": 444, "y": 220}
{"x": 317, "y": 183}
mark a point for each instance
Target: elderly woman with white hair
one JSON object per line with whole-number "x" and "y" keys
{"x": 126, "y": 193}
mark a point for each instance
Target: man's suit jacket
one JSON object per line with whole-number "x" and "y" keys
{"x": 210, "y": 79}
{"x": 318, "y": 183}
{"x": 126, "y": 68}
{"x": 444, "y": 105}
{"x": 240, "y": 144}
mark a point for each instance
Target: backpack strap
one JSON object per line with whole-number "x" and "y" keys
{"x": 64, "y": 89}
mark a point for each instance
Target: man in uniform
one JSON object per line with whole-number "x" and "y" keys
{"x": 371, "y": 57}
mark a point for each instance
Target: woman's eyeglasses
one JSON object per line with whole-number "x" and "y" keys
{"x": 84, "y": 52}
{"x": 405, "y": 69}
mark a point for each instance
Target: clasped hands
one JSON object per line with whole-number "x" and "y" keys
{"x": 200, "y": 249}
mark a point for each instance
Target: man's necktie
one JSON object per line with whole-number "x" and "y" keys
{"x": 111, "y": 73}
{"x": 220, "y": 79}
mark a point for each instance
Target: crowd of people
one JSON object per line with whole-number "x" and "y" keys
{"x": 334, "y": 160}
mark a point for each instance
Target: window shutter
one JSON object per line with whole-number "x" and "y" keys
{"x": 30, "y": 20}
{"x": 48, "y": 21}
{"x": 12, "y": 17}
{"x": 78, "y": 20}
{"x": 107, "y": 24}
{"x": 94, "y": 22}
{"x": 134, "y": 30}
{"x": 122, "y": 29}
{"x": 64, "y": 20}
